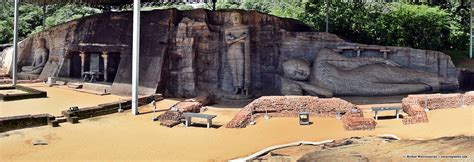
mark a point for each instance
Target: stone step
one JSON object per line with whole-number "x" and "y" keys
{"x": 54, "y": 123}
{"x": 75, "y": 85}
{"x": 100, "y": 93}
{"x": 61, "y": 119}
{"x": 74, "y": 120}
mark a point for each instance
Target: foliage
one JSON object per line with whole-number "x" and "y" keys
{"x": 62, "y": 14}
{"x": 31, "y": 18}
{"x": 424, "y": 26}
{"x": 168, "y": 6}
{"x": 393, "y": 24}
{"x": 294, "y": 10}
{"x": 443, "y": 26}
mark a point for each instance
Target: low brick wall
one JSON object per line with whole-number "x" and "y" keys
{"x": 440, "y": 101}
{"x": 240, "y": 120}
{"x": 415, "y": 105}
{"x": 416, "y": 114}
{"x": 469, "y": 98}
{"x": 24, "y": 121}
{"x": 288, "y": 106}
{"x": 353, "y": 121}
{"x": 107, "y": 108}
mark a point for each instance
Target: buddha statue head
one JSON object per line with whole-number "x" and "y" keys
{"x": 236, "y": 18}
{"x": 41, "y": 43}
{"x": 296, "y": 69}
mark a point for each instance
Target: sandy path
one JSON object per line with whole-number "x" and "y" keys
{"x": 58, "y": 99}
{"x": 126, "y": 137}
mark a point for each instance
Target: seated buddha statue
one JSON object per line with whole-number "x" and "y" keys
{"x": 39, "y": 60}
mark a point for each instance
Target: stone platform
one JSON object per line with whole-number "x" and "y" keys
{"x": 26, "y": 93}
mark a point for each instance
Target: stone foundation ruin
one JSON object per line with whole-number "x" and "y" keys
{"x": 289, "y": 106}
{"x": 11, "y": 93}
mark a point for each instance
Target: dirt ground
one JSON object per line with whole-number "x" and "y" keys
{"x": 466, "y": 63}
{"x": 123, "y": 136}
{"x": 58, "y": 99}
{"x": 373, "y": 148}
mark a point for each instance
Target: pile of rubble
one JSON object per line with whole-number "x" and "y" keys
{"x": 241, "y": 119}
{"x": 173, "y": 116}
{"x": 417, "y": 105}
{"x": 288, "y": 106}
{"x": 416, "y": 114}
{"x": 354, "y": 120}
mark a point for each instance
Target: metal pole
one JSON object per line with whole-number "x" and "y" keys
{"x": 15, "y": 42}
{"x": 470, "y": 44}
{"x": 470, "y": 36}
{"x": 135, "y": 55}
{"x": 44, "y": 16}
{"x": 327, "y": 16}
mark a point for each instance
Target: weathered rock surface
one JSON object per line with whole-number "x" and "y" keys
{"x": 185, "y": 52}
{"x": 380, "y": 149}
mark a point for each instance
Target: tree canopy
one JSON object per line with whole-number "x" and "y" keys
{"x": 443, "y": 25}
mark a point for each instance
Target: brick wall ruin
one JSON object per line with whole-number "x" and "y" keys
{"x": 289, "y": 106}
{"x": 354, "y": 120}
{"x": 440, "y": 101}
{"x": 416, "y": 105}
{"x": 174, "y": 115}
{"x": 416, "y": 114}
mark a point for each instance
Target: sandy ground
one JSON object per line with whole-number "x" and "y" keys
{"x": 58, "y": 99}
{"x": 126, "y": 137}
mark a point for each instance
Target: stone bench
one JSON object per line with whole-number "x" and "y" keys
{"x": 377, "y": 109}
{"x": 91, "y": 76}
{"x": 188, "y": 117}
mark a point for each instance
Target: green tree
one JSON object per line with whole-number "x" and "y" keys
{"x": 393, "y": 24}
{"x": 31, "y": 18}
{"x": 64, "y": 13}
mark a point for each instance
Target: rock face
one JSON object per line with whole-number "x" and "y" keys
{"x": 184, "y": 53}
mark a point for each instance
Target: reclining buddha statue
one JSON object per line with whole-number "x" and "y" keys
{"x": 335, "y": 74}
